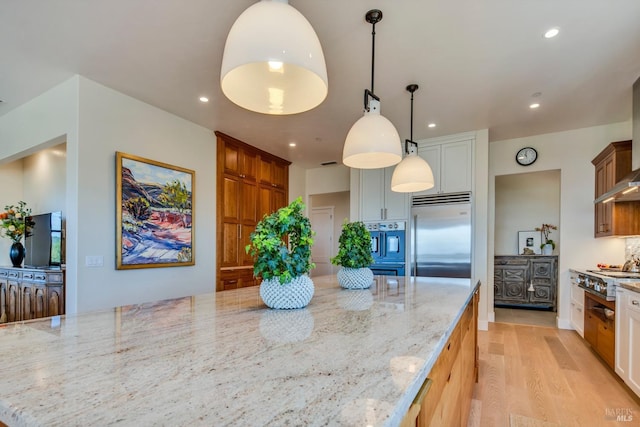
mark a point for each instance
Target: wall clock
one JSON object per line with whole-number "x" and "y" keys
{"x": 526, "y": 156}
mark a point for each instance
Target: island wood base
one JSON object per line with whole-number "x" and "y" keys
{"x": 445, "y": 397}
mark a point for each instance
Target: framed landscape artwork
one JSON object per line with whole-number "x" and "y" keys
{"x": 529, "y": 240}
{"x": 154, "y": 214}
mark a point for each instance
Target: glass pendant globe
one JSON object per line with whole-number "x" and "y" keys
{"x": 372, "y": 143}
{"x": 411, "y": 175}
{"x": 273, "y": 61}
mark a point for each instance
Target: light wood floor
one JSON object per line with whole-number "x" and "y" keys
{"x": 525, "y": 317}
{"x": 542, "y": 377}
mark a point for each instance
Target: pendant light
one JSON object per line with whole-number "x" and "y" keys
{"x": 413, "y": 173}
{"x": 273, "y": 61}
{"x": 373, "y": 142}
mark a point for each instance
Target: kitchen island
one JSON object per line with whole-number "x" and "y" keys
{"x": 349, "y": 358}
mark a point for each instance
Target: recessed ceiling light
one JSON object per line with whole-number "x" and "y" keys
{"x": 534, "y": 105}
{"x": 551, "y": 33}
{"x": 431, "y": 125}
{"x": 204, "y": 99}
{"x": 292, "y": 144}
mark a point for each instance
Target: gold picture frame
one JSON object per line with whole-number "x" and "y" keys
{"x": 155, "y": 214}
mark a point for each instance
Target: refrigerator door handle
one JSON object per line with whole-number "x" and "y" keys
{"x": 414, "y": 266}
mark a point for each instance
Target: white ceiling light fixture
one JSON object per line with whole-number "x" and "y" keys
{"x": 413, "y": 173}
{"x": 372, "y": 142}
{"x": 273, "y": 61}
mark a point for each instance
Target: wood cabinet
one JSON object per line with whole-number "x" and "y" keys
{"x": 525, "y": 280}
{"x": 250, "y": 184}
{"x": 377, "y": 201}
{"x": 451, "y": 164}
{"x": 445, "y": 397}
{"x": 627, "y": 339}
{"x": 27, "y": 294}
{"x": 614, "y": 218}
{"x": 599, "y": 331}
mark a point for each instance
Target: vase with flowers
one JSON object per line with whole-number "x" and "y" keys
{"x": 15, "y": 225}
{"x": 548, "y": 245}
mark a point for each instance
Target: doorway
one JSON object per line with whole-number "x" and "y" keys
{"x": 322, "y": 249}
{"x": 523, "y": 202}
{"x": 339, "y": 201}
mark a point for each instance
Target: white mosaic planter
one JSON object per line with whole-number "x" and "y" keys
{"x": 295, "y": 294}
{"x": 355, "y": 278}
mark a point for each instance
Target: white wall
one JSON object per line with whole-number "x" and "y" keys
{"x": 297, "y": 182}
{"x": 47, "y": 121}
{"x": 480, "y": 219}
{"x": 95, "y": 122}
{"x": 328, "y": 179}
{"x": 523, "y": 202}
{"x": 44, "y": 179}
{"x": 12, "y": 192}
{"x": 110, "y": 122}
{"x": 571, "y": 152}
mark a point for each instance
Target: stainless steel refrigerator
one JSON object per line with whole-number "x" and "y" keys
{"x": 441, "y": 236}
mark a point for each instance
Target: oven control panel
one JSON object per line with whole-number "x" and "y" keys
{"x": 386, "y": 226}
{"x": 600, "y": 285}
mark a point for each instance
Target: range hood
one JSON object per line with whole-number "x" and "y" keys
{"x": 625, "y": 190}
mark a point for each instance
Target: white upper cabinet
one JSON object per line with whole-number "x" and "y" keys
{"x": 377, "y": 201}
{"x": 451, "y": 163}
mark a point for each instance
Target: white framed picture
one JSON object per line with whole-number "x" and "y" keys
{"x": 531, "y": 241}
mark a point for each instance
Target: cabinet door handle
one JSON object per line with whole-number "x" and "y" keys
{"x": 635, "y": 302}
{"x": 239, "y": 232}
{"x": 381, "y": 213}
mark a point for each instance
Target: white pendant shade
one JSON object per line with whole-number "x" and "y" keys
{"x": 273, "y": 61}
{"x": 372, "y": 143}
{"x": 411, "y": 175}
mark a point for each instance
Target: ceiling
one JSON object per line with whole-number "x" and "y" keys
{"x": 478, "y": 64}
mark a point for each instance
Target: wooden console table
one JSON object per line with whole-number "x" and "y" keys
{"x": 525, "y": 280}
{"x": 27, "y": 293}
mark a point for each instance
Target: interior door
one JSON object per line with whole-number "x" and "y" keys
{"x": 322, "y": 249}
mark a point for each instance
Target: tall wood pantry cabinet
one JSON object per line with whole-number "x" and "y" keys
{"x": 250, "y": 184}
{"x": 614, "y": 218}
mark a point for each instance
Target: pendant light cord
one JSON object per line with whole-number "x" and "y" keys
{"x": 373, "y": 53}
{"x": 372, "y": 17}
{"x": 411, "y": 88}
{"x": 411, "y": 133}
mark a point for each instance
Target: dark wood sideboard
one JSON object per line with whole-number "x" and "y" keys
{"x": 525, "y": 281}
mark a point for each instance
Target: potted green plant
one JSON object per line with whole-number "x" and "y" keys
{"x": 354, "y": 256}
{"x": 548, "y": 245}
{"x": 283, "y": 266}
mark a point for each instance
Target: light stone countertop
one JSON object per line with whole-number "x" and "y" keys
{"x": 632, "y": 286}
{"x": 352, "y": 358}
